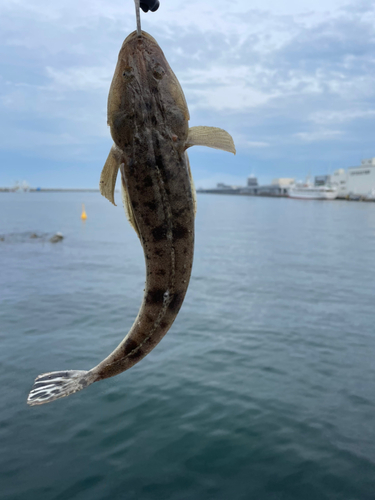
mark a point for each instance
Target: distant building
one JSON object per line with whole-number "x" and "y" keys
{"x": 361, "y": 180}
{"x": 358, "y": 181}
{"x": 279, "y": 187}
{"x": 252, "y": 181}
{"x": 251, "y": 187}
{"x": 322, "y": 180}
{"x": 222, "y": 188}
{"x": 339, "y": 179}
{"x": 273, "y": 190}
{"x": 355, "y": 183}
{"x": 282, "y": 182}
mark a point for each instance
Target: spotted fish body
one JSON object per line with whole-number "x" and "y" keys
{"x": 148, "y": 119}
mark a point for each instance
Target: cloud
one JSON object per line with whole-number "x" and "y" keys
{"x": 341, "y": 116}
{"x": 84, "y": 78}
{"x": 319, "y": 135}
{"x": 278, "y": 75}
{"x": 234, "y": 97}
{"x": 37, "y": 139}
{"x": 244, "y": 142}
{"x": 257, "y": 144}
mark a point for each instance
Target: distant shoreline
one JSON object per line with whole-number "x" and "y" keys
{"x": 199, "y": 191}
{"x": 44, "y": 190}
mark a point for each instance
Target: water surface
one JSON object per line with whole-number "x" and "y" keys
{"x": 263, "y": 389}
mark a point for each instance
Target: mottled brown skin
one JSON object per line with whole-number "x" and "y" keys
{"x": 148, "y": 117}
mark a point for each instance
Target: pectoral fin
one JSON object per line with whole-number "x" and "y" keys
{"x": 211, "y": 137}
{"x": 109, "y": 174}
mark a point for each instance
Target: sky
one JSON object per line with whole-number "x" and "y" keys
{"x": 292, "y": 81}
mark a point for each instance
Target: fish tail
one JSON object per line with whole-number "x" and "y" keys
{"x": 54, "y": 385}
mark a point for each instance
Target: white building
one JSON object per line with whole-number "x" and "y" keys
{"x": 282, "y": 182}
{"x": 361, "y": 180}
{"x": 356, "y": 180}
{"x": 339, "y": 179}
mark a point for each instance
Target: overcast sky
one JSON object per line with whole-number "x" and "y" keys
{"x": 291, "y": 80}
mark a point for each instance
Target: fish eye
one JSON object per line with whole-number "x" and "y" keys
{"x": 158, "y": 72}
{"x": 128, "y": 73}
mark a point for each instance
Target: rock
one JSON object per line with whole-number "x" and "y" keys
{"x": 56, "y": 238}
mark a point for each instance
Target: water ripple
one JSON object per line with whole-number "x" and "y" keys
{"x": 264, "y": 388}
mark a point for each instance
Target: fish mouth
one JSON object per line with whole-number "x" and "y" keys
{"x": 134, "y": 34}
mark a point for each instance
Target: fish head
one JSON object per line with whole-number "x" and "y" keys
{"x": 145, "y": 94}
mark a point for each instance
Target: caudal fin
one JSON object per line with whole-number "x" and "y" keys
{"x": 54, "y": 385}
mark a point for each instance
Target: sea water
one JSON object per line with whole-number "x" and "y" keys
{"x": 264, "y": 388}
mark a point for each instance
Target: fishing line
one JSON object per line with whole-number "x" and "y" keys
{"x": 145, "y": 5}
{"x": 138, "y": 16}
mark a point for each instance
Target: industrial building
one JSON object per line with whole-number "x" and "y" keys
{"x": 222, "y": 188}
{"x": 278, "y": 187}
{"x": 356, "y": 181}
{"x": 361, "y": 180}
{"x": 353, "y": 183}
{"x": 339, "y": 179}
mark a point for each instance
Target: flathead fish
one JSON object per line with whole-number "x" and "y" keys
{"x": 148, "y": 118}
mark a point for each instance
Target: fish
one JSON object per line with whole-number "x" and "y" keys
{"x": 148, "y": 120}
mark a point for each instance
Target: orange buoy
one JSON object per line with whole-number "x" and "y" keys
{"x": 83, "y": 215}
